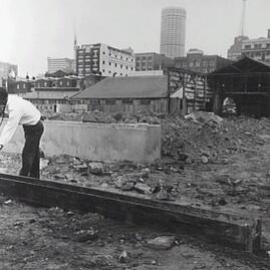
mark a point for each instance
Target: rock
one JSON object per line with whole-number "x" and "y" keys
{"x": 86, "y": 235}
{"x": 96, "y": 168}
{"x": 164, "y": 195}
{"x": 145, "y": 173}
{"x": 123, "y": 258}
{"x": 142, "y": 188}
{"x": 124, "y": 184}
{"x": 204, "y": 159}
{"x": 104, "y": 185}
{"x": 43, "y": 163}
{"x": 8, "y": 202}
{"x": 161, "y": 242}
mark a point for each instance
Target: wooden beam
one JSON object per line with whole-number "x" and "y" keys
{"x": 237, "y": 231}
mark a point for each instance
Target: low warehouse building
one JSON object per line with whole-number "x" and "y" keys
{"x": 126, "y": 94}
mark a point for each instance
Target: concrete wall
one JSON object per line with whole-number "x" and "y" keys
{"x": 95, "y": 141}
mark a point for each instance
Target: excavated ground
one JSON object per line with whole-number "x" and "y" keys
{"x": 221, "y": 165}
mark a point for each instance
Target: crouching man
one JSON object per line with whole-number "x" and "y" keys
{"x": 21, "y": 111}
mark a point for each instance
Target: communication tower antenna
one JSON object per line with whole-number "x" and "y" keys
{"x": 243, "y": 18}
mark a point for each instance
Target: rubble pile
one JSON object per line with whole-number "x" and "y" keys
{"x": 206, "y": 137}
{"x": 102, "y": 117}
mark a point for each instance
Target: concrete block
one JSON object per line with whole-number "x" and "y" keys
{"x": 96, "y": 141}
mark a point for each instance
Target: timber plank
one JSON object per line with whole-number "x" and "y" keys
{"x": 229, "y": 229}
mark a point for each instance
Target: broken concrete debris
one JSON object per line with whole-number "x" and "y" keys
{"x": 96, "y": 168}
{"x": 161, "y": 242}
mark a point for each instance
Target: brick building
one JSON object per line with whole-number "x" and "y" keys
{"x": 152, "y": 61}
{"x": 198, "y": 62}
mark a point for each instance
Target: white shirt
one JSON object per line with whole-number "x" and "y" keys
{"x": 20, "y": 111}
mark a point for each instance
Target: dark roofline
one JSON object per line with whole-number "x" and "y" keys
{"x": 57, "y": 89}
{"x": 241, "y": 59}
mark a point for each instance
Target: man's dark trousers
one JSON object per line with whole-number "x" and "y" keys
{"x": 31, "y": 154}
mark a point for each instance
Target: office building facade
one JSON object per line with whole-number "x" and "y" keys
{"x": 258, "y": 49}
{"x": 64, "y": 64}
{"x": 152, "y": 61}
{"x": 198, "y": 62}
{"x": 234, "y": 53}
{"x": 104, "y": 60}
{"x": 173, "y": 32}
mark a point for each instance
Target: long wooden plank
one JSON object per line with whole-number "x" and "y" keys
{"x": 237, "y": 231}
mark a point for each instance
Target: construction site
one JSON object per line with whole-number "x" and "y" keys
{"x": 144, "y": 161}
{"x": 182, "y": 188}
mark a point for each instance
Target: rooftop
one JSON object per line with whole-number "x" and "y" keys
{"x": 127, "y": 87}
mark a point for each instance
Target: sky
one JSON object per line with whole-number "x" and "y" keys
{"x": 32, "y": 30}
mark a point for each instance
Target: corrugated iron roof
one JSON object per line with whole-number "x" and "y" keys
{"x": 127, "y": 87}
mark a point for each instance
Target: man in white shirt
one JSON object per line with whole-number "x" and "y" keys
{"x": 21, "y": 111}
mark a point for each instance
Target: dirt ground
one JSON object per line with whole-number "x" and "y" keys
{"x": 221, "y": 165}
{"x": 37, "y": 238}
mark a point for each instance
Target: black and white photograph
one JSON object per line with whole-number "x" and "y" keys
{"x": 135, "y": 135}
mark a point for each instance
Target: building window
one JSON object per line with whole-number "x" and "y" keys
{"x": 115, "y": 64}
{"x": 110, "y": 101}
{"x": 60, "y": 83}
{"x": 68, "y": 83}
{"x": 24, "y": 85}
{"x": 121, "y": 66}
{"x": 18, "y": 86}
{"x": 110, "y": 63}
{"x": 103, "y": 62}
{"x": 127, "y": 101}
{"x": 145, "y": 101}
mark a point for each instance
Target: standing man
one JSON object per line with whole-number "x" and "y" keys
{"x": 21, "y": 111}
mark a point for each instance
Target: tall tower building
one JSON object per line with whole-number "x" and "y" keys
{"x": 173, "y": 32}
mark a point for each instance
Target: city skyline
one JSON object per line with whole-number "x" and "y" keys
{"x": 34, "y": 30}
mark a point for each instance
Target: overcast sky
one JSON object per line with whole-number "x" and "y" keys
{"x": 32, "y": 30}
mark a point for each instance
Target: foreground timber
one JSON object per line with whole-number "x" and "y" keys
{"x": 238, "y": 231}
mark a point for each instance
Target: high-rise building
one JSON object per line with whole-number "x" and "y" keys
{"x": 173, "y": 32}
{"x": 104, "y": 60}
{"x": 64, "y": 64}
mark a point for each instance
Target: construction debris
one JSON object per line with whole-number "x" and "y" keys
{"x": 161, "y": 242}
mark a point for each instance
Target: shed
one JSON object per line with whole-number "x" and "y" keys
{"x": 247, "y": 82}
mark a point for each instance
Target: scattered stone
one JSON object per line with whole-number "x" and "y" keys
{"x": 124, "y": 184}
{"x": 8, "y": 202}
{"x": 96, "y": 168}
{"x": 164, "y": 195}
{"x": 86, "y": 235}
{"x": 123, "y": 258}
{"x": 161, "y": 242}
{"x": 104, "y": 185}
{"x": 43, "y": 163}
{"x": 142, "y": 188}
{"x": 204, "y": 159}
